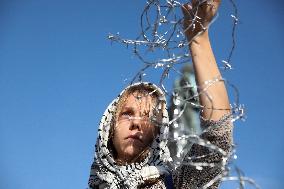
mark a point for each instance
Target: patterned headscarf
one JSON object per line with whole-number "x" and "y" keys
{"x": 106, "y": 173}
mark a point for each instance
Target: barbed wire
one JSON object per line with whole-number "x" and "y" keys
{"x": 162, "y": 44}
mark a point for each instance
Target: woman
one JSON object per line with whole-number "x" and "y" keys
{"x": 131, "y": 150}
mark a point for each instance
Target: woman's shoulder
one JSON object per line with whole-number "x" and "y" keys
{"x": 204, "y": 163}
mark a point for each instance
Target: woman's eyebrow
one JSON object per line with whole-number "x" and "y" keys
{"x": 127, "y": 108}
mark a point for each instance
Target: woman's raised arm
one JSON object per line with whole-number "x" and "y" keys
{"x": 213, "y": 98}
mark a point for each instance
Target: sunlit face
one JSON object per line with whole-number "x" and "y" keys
{"x": 134, "y": 131}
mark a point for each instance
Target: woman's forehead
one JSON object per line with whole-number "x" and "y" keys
{"x": 134, "y": 100}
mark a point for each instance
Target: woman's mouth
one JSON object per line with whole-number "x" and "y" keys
{"x": 135, "y": 137}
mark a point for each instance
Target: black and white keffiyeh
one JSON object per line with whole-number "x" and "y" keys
{"x": 106, "y": 173}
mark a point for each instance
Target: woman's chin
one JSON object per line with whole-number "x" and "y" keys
{"x": 130, "y": 153}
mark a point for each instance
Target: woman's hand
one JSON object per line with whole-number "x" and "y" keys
{"x": 198, "y": 15}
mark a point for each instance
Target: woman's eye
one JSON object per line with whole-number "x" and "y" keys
{"x": 126, "y": 113}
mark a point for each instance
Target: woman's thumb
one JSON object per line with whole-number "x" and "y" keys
{"x": 186, "y": 9}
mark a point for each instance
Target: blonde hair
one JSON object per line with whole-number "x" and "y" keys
{"x": 139, "y": 91}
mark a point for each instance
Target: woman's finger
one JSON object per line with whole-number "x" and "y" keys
{"x": 186, "y": 9}
{"x": 194, "y": 3}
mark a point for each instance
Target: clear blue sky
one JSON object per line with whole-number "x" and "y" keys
{"x": 58, "y": 72}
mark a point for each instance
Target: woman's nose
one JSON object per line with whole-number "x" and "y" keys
{"x": 135, "y": 124}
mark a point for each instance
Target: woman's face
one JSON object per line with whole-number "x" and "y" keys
{"x": 133, "y": 131}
